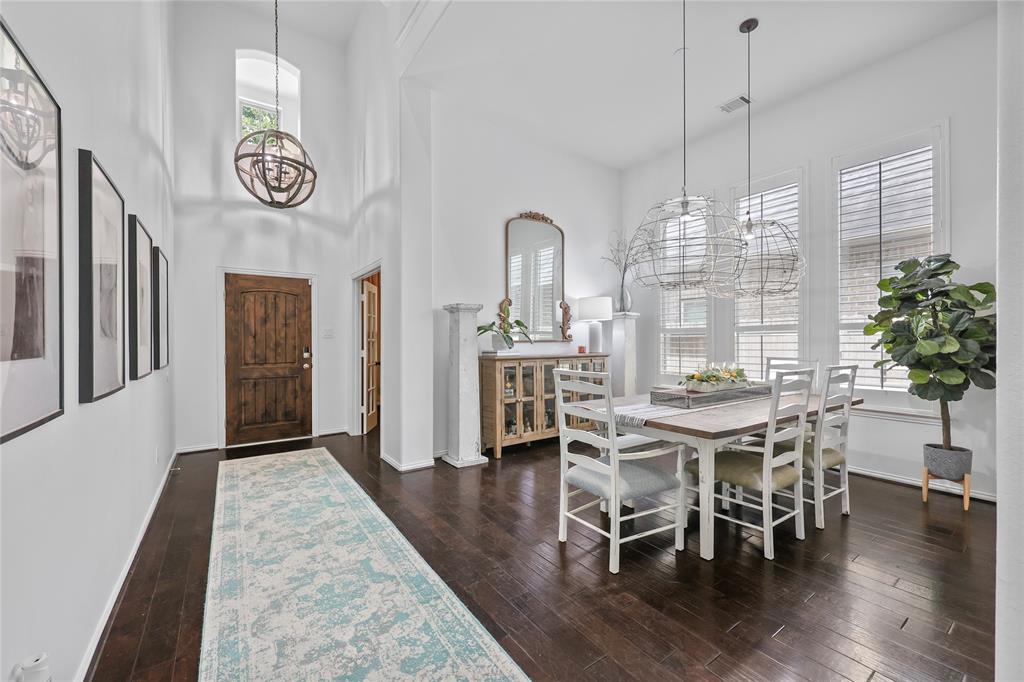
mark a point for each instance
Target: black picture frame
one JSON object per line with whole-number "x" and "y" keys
{"x": 86, "y": 348}
{"x": 137, "y": 232}
{"x": 5, "y": 436}
{"x": 161, "y": 307}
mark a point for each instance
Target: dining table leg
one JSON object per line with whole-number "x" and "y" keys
{"x": 706, "y": 479}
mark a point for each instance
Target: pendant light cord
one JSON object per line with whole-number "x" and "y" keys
{"x": 750, "y": 101}
{"x": 277, "y": 74}
{"x": 684, "y": 98}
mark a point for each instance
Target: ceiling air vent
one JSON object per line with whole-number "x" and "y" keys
{"x": 735, "y": 103}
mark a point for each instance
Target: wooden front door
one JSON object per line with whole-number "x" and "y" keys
{"x": 268, "y": 357}
{"x": 371, "y": 352}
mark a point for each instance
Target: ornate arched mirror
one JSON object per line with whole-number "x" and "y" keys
{"x": 534, "y": 265}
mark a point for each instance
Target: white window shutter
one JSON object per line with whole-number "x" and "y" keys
{"x": 886, "y": 215}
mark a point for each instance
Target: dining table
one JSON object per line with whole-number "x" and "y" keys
{"x": 705, "y": 429}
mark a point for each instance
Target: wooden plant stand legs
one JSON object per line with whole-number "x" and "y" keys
{"x": 966, "y": 483}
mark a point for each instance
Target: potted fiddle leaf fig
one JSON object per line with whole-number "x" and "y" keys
{"x": 942, "y": 332}
{"x": 503, "y": 328}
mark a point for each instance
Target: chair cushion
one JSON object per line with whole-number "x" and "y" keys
{"x": 745, "y": 469}
{"x": 636, "y": 479}
{"x": 830, "y": 457}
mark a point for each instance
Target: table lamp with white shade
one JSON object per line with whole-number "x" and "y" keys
{"x": 594, "y": 310}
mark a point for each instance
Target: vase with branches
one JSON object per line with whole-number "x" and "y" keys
{"x": 624, "y": 255}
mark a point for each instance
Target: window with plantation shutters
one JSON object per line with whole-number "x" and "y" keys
{"x": 515, "y": 285}
{"x": 683, "y": 331}
{"x": 543, "y": 277}
{"x": 886, "y": 215}
{"x": 768, "y": 326}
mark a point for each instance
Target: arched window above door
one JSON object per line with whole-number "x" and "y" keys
{"x": 254, "y": 93}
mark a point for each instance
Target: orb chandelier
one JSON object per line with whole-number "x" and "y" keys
{"x": 688, "y": 242}
{"x": 27, "y": 132}
{"x": 272, "y": 165}
{"x": 774, "y": 264}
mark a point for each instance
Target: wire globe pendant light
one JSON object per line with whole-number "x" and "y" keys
{"x": 27, "y": 132}
{"x": 272, "y": 165}
{"x": 688, "y": 242}
{"x": 774, "y": 264}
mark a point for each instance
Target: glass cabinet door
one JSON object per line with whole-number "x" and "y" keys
{"x": 509, "y": 382}
{"x": 529, "y": 376}
{"x": 510, "y": 393}
{"x": 511, "y": 420}
{"x": 547, "y": 415}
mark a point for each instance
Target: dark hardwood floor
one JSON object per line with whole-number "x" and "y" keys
{"x": 899, "y": 590}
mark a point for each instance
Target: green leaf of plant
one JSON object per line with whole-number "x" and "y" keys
{"x": 926, "y": 347}
{"x": 908, "y": 266}
{"x": 949, "y": 344}
{"x": 919, "y": 376}
{"x": 888, "y": 301}
{"x": 983, "y": 379}
{"x": 950, "y": 376}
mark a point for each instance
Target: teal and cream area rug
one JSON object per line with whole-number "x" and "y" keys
{"x": 309, "y": 580}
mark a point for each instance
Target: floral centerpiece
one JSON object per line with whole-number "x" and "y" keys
{"x": 715, "y": 378}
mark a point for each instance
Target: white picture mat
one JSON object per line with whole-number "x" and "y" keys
{"x": 108, "y": 285}
{"x": 30, "y": 387}
{"x": 144, "y": 300}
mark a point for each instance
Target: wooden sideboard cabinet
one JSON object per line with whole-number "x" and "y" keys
{"x": 517, "y": 396}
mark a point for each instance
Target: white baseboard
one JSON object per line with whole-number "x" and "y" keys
{"x": 196, "y": 448}
{"x": 439, "y": 454}
{"x": 943, "y": 486}
{"x": 411, "y": 466}
{"x": 83, "y": 666}
{"x": 333, "y": 430}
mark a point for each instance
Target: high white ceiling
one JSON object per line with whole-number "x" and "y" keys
{"x": 601, "y": 79}
{"x": 330, "y": 20}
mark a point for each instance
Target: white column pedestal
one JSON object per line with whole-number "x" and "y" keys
{"x": 623, "y": 353}
{"x": 463, "y": 387}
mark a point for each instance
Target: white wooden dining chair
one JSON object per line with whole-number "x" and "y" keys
{"x": 617, "y": 473}
{"x": 825, "y": 449}
{"x": 771, "y": 466}
{"x": 773, "y": 365}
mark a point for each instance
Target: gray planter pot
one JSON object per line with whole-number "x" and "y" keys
{"x": 948, "y": 464}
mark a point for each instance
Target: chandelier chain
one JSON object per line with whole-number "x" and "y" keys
{"x": 750, "y": 103}
{"x": 684, "y": 97}
{"x": 277, "y": 73}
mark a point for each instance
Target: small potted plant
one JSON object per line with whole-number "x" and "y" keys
{"x": 938, "y": 330}
{"x": 712, "y": 378}
{"x": 503, "y": 328}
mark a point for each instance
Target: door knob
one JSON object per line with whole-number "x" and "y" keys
{"x": 305, "y": 365}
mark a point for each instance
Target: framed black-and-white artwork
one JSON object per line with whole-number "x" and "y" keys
{"x": 31, "y": 236}
{"x": 140, "y": 299}
{"x": 161, "y": 309}
{"x": 101, "y": 277}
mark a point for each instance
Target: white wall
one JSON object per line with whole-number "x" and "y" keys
{"x": 76, "y": 491}
{"x": 1010, "y": 512}
{"x": 219, "y": 225}
{"x": 374, "y": 197}
{"x": 483, "y": 175}
{"x": 952, "y": 78}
